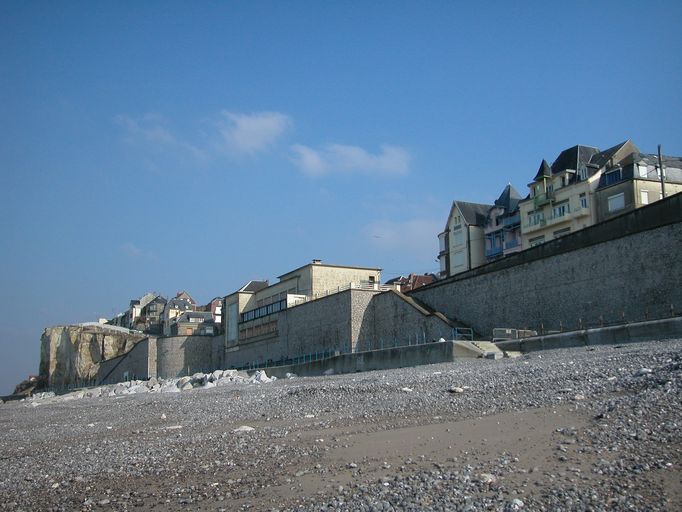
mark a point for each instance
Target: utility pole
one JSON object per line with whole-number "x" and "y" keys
{"x": 660, "y": 166}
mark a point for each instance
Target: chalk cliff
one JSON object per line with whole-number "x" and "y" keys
{"x": 71, "y": 353}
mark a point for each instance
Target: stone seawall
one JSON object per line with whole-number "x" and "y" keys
{"x": 628, "y": 267}
{"x": 177, "y": 356}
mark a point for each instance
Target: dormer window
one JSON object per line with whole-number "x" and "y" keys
{"x": 582, "y": 173}
{"x": 612, "y": 177}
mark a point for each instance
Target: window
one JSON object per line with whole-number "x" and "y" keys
{"x": 458, "y": 237}
{"x": 612, "y": 177}
{"x": 537, "y": 241}
{"x": 583, "y": 200}
{"x": 582, "y": 174}
{"x": 535, "y": 217}
{"x": 560, "y": 210}
{"x": 562, "y": 232}
{"x": 616, "y": 202}
{"x": 644, "y": 196}
{"x": 643, "y": 171}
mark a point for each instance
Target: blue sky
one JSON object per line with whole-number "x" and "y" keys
{"x": 196, "y": 145}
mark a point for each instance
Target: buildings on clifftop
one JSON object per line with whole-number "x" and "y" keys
{"x": 583, "y": 186}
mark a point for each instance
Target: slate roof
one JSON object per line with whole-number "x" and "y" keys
{"x": 475, "y": 214}
{"x": 544, "y": 171}
{"x": 602, "y": 158}
{"x": 205, "y": 316}
{"x": 671, "y": 164}
{"x": 254, "y": 286}
{"x": 573, "y": 158}
{"x": 509, "y": 199}
{"x": 179, "y": 304}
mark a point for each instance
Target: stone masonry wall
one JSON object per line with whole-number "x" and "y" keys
{"x": 631, "y": 277}
{"x": 132, "y": 365}
{"x": 177, "y": 356}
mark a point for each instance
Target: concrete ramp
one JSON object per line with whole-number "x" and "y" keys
{"x": 398, "y": 357}
{"x": 490, "y": 350}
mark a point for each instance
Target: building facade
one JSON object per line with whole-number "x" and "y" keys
{"x": 635, "y": 181}
{"x": 251, "y": 312}
{"x": 503, "y": 226}
{"x": 462, "y": 243}
{"x": 561, "y": 196}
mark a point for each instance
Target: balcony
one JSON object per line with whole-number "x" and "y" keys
{"x": 543, "y": 199}
{"x": 581, "y": 211}
{"x": 511, "y": 222}
{"x": 492, "y": 252}
{"x": 559, "y": 219}
{"x": 534, "y": 226}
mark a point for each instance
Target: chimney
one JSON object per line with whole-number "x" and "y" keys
{"x": 317, "y": 262}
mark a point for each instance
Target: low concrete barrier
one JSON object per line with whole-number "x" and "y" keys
{"x": 626, "y": 333}
{"x": 398, "y": 357}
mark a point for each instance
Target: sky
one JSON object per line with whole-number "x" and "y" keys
{"x": 167, "y": 146}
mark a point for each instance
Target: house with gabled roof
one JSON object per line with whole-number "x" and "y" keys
{"x": 462, "y": 243}
{"x": 561, "y": 196}
{"x": 174, "y": 308}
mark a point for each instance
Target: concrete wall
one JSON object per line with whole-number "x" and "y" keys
{"x": 669, "y": 328}
{"x": 184, "y": 355}
{"x": 429, "y": 353}
{"x": 133, "y": 365}
{"x": 331, "y": 278}
{"x": 392, "y": 319}
{"x": 324, "y": 325}
{"x": 629, "y": 265}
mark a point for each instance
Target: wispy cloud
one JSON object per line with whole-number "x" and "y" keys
{"x": 152, "y": 130}
{"x": 344, "y": 158}
{"x": 134, "y": 252}
{"x": 418, "y": 236}
{"x": 131, "y": 250}
{"x": 251, "y": 133}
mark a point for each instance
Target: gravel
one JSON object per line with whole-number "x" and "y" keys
{"x": 593, "y": 428}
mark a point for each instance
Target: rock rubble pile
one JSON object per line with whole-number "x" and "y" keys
{"x": 214, "y": 379}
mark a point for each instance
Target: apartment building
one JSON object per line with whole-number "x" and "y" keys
{"x": 251, "y": 312}
{"x": 635, "y": 181}
{"x": 561, "y": 196}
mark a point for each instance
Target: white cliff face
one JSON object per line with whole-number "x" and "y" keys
{"x": 72, "y": 353}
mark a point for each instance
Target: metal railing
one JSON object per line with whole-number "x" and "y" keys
{"x": 608, "y": 319}
{"x": 366, "y": 285}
